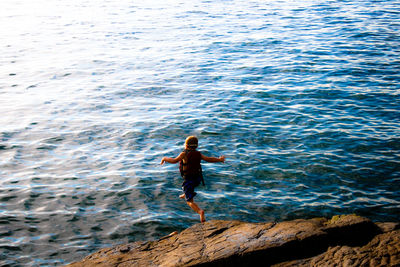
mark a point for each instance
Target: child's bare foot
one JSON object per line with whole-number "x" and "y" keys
{"x": 182, "y": 196}
{"x": 202, "y": 217}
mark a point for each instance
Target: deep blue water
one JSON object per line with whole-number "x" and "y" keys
{"x": 302, "y": 97}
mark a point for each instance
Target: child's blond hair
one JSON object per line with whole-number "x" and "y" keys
{"x": 192, "y": 142}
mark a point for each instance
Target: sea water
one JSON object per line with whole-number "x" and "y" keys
{"x": 302, "y": 97}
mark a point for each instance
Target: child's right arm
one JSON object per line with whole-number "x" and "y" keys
{"x": 172, "y": 160}
{"x": 213, "y": 159}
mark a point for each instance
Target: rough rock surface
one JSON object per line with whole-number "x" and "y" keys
{"x": 346, "y": 240}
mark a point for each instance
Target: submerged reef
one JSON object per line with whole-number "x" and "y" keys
{"x": 343, "y": 240}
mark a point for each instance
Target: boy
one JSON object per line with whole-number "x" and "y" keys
{"x": 190, "y": 168}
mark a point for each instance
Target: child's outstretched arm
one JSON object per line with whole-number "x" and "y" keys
{"x": 213, "y": 159}
{"x": 172, "y": 160}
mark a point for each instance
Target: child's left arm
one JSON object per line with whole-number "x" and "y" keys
{"x": 172, "y": 160}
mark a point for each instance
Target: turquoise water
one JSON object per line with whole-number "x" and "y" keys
{"x": 302, "y": 97}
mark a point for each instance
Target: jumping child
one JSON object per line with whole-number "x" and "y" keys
{"x": 190, "y": 169}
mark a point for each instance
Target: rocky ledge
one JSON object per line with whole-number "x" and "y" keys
{"x": 345, "y": 240}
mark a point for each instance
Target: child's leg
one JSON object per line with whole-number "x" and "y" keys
{"x": 197, "y": 209}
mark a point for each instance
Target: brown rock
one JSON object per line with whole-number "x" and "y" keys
{"x": 388, "y": 226}
{"x": 382, "y": 250}
{"x": 234, "y": 243}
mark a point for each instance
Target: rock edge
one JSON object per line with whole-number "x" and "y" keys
{"x": 343, "y": 240}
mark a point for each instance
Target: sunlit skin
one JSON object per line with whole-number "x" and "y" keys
{"x": 182, "y": 156}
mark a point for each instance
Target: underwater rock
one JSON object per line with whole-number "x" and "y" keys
{"x": 347, "y": 239}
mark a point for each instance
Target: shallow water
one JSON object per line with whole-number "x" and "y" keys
{"x": 302, "y": 97}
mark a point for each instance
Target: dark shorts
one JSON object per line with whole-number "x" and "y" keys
{"x": 189, "y": 185}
